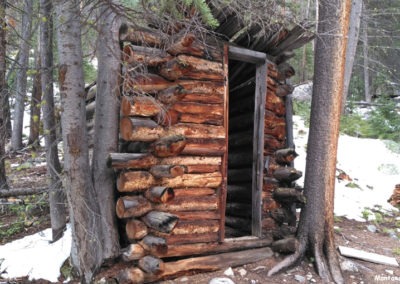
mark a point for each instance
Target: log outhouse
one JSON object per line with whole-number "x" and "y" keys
{"x": 205, "y": 161}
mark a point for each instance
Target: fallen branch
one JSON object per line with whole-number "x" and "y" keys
{"x": 22, "y": 191}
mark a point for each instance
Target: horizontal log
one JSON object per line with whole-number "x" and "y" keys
{"x": 132, "y": 206}
{"x": 145, "y": 84}
{"x": 199, "y": 169}
{"x": 131, "y": 160}
{"x": 133, "y": 252}
{"x": 228, "y": 245}
{"x": 240, "y": 159}
{"x": 243, "y": 224}
{"x": 283, "y": 215}
{"x": 194, "y": 180}
{"x": 171, "y": 95}
{"x": 132, "y": 275}
{"x": 140, "y": 129}
{"x": 192, "y": 160}
{"x": 188, "y": 43}
{"x": 134, "y": 181}
{"x": 143, "y": 105}
{"x": 185, "y": 227}
{"x": 268, "y": 224}
{"x": 190, "y": 67}
{"x": 234, "y": 232}
{"x": 275, "y": 104}
{"x": 159, "y": 194}
{"x": 240, "y": 139}
{"x": 271, "y": 120}
{"x": 240, "y": 175}
{"x": 211, "y": 263}
{"x": 204, "y": 147}
{"x": 167, "y": 171}
{"x": 90, "y": 108}
{"x": 193, "y": 191}
{"x": 270, "y": 184}
{"x": 271, "y": 144}
{"x": 269, "y": 204}
{"x": 209, "y": 98}
{"x": 193, "y": 203}
{"x": 142, "y": 36}
{"x": 198, "y": 215}
{"x": 202, "y": 87}
{"x": 289, "y": 195}
{"x": 192, "y": 130}
{"x": 134, "y": 147}
{"x": 239, "y": 193}
{"x": 242, "y": 122}
{"x": 192, "y": 238}
{"x": 285, "y": 156}
{"x": 141, "y": 55}
{"x": 198, "y": 108}
{"x": 169, "y": 146}
{"x": 279, "y": 132}
{"x": 285, "y": 71}
{"x": 151, "y": 264}
{"x": 285, "y": 246}
{"x": 13, "y": 192}
{"x": 154, "y": 245}
{"x": 160, "y": 221}
{"x": 135, "y": 229}
{"x": 209, "y": 118}
{"x": 287, "y": 174}
{"x": 177, "y": 93}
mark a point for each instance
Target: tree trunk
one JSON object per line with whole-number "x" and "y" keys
{"x": 354, "y": 29}
{"x": 304, "y": 55}
{"x": 57, "y": 199}
{"x": 315, "y": 233}
{"x": 106, "y": 125}
{"x": 3, "y": 94}
{"x": 84, "y": 209}
{"x": 36, "y": 97}
{"x": 23, "y": 63}
{"x": 367, "y": 91}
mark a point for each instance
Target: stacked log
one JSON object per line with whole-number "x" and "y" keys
{"x": 173, "y": 138}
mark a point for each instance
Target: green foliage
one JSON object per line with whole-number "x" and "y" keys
{"x": 89, "y": 71}
{"x": 302, "y": 109}
{"x": 396, "y": 251}
{"x": 366, "y": 213}
{"x": 392, "y": 146}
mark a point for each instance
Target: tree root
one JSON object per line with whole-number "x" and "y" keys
{"x": 289, "y": 261}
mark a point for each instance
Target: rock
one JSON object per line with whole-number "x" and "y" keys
{"x": 242, "y": 272}
{"x": 184, "y": 279}
{"x": 229, "y": 272}
{"x": 391, "y": 272}
{"x": 372, "y": 228}
{"x": 303, "y": 92}
{"x": 309, "y": 276}
{"x": 221, "y": 280}
{"x": 259, "y": 268}
{"x": 348, "y": 265}
{"x": 300, "y": 278}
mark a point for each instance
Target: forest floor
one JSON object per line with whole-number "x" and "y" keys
{"x": 25, "y": 216}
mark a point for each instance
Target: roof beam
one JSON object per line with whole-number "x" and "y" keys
{"x": 246, "y": 55}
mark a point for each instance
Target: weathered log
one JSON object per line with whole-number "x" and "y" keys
{"x": 185, "y": 227}
{"x": 202, "y": 87}
{"x": 160, "y": 221}
{"x": 169, "y": 146}
{"x": 267, "y": 224}
{"x": 271, "y": 120}
{"x": 289, "y": 195}
{"x": 134, "y": 181}
{"x": 192, "y": 160}
{"x": 270, "y": 184}
{"x": 142, "y": 36}
{"x": 190, "y": 67}
{"x": 154, "y": 245}
{"x": 140, "y": 106}
{"x": 193, "y": 191}
{"x": 152, "y": 57}
{"x": 285, "y": 246}
{"x": 279, "y": 132}
{"x": 193, "y": 130}
{"x": 269, "y": 204}
{"x": 188, "y": 43}
{"x": 285, "y": 71}
{"x": 198, "y": 108}
{"x": 285, "y": 156}
{"x": 209, "y": 98}
{"x": 271, "y": 144}
{"x": 13, "y": 192}
{"x": 270, "y": 165}
{"x": 171, "y": 95}
{"x": 284, "y": 90}
{"x": 199, "y": 169}
{"x": 204, "y": 147}
{"x": 240, "y": 159}
{"x": 145, "y": 84}
{"x": 239, "y": 193}
{"x": 198, "y": 215}
{"x": 135, "y": 229}
{"x": 287, "y": 174}
{"x": 131, "y": 275}
{"x": 151, "y": 264}
{"x": 159, "y": 194}
{"x": 131, "y": 160}
{"x": 133, "y": 252}
{"x": 140, "y": 129}
{"x": 194, "y": 180}
{"x": 132, "y": 206}
{"x": 241, "y": 139}
{"x": 234, "y": 232}
{"x": 275, "y": 104}
{"x": 208, "y": 118}
{"x": 90, "y": 108}
{"x": 168, "y": 118}
{"x": 134, "y": 147}
{"x": 192, "y": 203}
{"x": 283, "y": 232}
{"x": 242, "y": 122}
{"x": 283, "y": 215}
{"x": 177, "y": 93}
{"x": 238, "y": 209}
{"x": 167, "y": 171}
{"x": 192, "y": 238}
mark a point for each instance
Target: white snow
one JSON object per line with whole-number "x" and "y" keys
{"x": 35, "y": 256}
{"x": 371, "y": 165}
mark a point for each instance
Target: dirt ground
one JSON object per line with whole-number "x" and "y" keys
{"x": 33, "y": 216}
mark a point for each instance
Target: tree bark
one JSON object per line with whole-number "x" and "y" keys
{"x": 106, "y": 124}
{"x": 3, "y": 94}
{"x": 21, "y": 78}
{"x": 132, "y": 206}
{"x": 85, "y": 214}
{"x": 315, "y": 233}
{"x": 367, "y": 91}
{"x": 354, "y": 31}
{"x": 36, "y": 98}
{"x": 57, "y": 198}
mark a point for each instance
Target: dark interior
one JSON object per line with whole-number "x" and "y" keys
{"x": 240, "y": 149}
